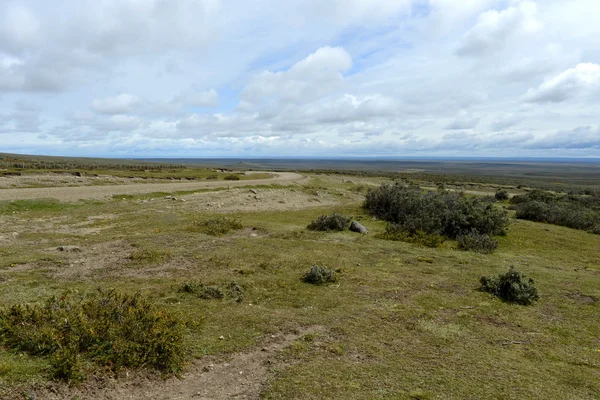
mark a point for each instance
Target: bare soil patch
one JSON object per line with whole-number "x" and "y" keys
{"x": 240, "y": 376}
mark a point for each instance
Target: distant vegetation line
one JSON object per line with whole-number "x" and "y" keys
{"x": 578, "y": 178}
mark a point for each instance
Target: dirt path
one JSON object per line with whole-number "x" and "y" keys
{"x": 243, "y": 376}
{"x": 101, "y": 192}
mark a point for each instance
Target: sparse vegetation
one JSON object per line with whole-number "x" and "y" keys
{"x": 82, "y": 333}
{"x": 333, "y": 222}
{"x": 149, "y": 256}
{"x": 318, "y": 275}
{"x": 203, "y": 291}
{"x": 218, "y": 226}
{"x": 401, "y": 314}
{"x": 511, "y": 287}
{"x": 397, "y": 232}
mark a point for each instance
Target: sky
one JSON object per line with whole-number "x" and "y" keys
{"x": 343, "y": 78}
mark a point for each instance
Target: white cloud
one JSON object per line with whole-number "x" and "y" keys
{"x": 207, "y": 98}
{"x": 316, "y": 76}
{"x": 299, "y": 77}
{"x": 19, "y": 28}
{"x": 120, "y": 104}
{"x": 463, "y": 121}
{"x": 575, "y": 81}
{"x": 505, "y": 121}
{"x": 494, "y": 28}
{"x": 583, "y": 137}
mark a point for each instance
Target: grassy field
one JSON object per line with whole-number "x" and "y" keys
{"x": 401, "y": 322}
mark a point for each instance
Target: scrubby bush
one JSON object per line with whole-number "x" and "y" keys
{"x": 501, "y": 195}
{"x": 534, "y": 195}
{"x": 319, "y": 275}
{"x": 572, "y": 211}
{"x": 218, "y": 226}
{"x": 436, "y": 212}
{"x": 488, "y": 199}
{"x": 104, "y": 329}
{"x": 333, "y": 222}
{"x": 475, "y": 241}
{"x": 511, "y": 287}
{"x": 232, "y": 177}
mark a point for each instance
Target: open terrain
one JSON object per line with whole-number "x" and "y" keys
{"x": 86, "y": 192}
{"x": 402, "y": 321}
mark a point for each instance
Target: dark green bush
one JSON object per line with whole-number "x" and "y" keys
{"x": 501, "y": 195}
{"x": 333, "y": 222}
{"x": 573, "y": 211}
{"x": 475, "y": 241}
{"x": 106, "y": 329}
{"x": 436, "y": 212}
{"x": 511, "y": 287}
{"x": 534, "y": 195}
{"x": 319, "y": 275}
{"x": 232, "y": 177}
{"x": 218, "y": 226}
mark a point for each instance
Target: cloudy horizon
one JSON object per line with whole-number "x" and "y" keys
{"x": 353, "y": 78}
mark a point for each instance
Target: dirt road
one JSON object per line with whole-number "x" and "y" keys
{"x": 102, "y": 192}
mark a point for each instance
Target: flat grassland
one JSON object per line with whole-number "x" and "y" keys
{"x": 401, "y": 322}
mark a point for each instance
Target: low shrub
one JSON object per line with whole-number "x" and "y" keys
{"x": 333, "y": 222}
{"x": 319, "y": 275}
{"x": 563, "y": 213}
{"x": 218, "y": 226}
{"x": 232, "y": 177}
{"x": 501, "y": 195}
{"x": 104, "y": 329}
{"x": 511, "y": 287}
{"x": 203, "y": 291}
{"x": 477, "y": 242}
{"x": 435, "y": 212}
{"x": 534, "y": 195}
{"x": 236, "y": 291}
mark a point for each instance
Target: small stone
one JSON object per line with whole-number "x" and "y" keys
{"x": 221, "y": 337}
{"x": 253, "y": 191}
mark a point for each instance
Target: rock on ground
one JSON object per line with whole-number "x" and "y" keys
{"x": 356, "y": 227}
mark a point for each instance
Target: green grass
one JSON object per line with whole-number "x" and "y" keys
{"x": 401, "y": 322}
